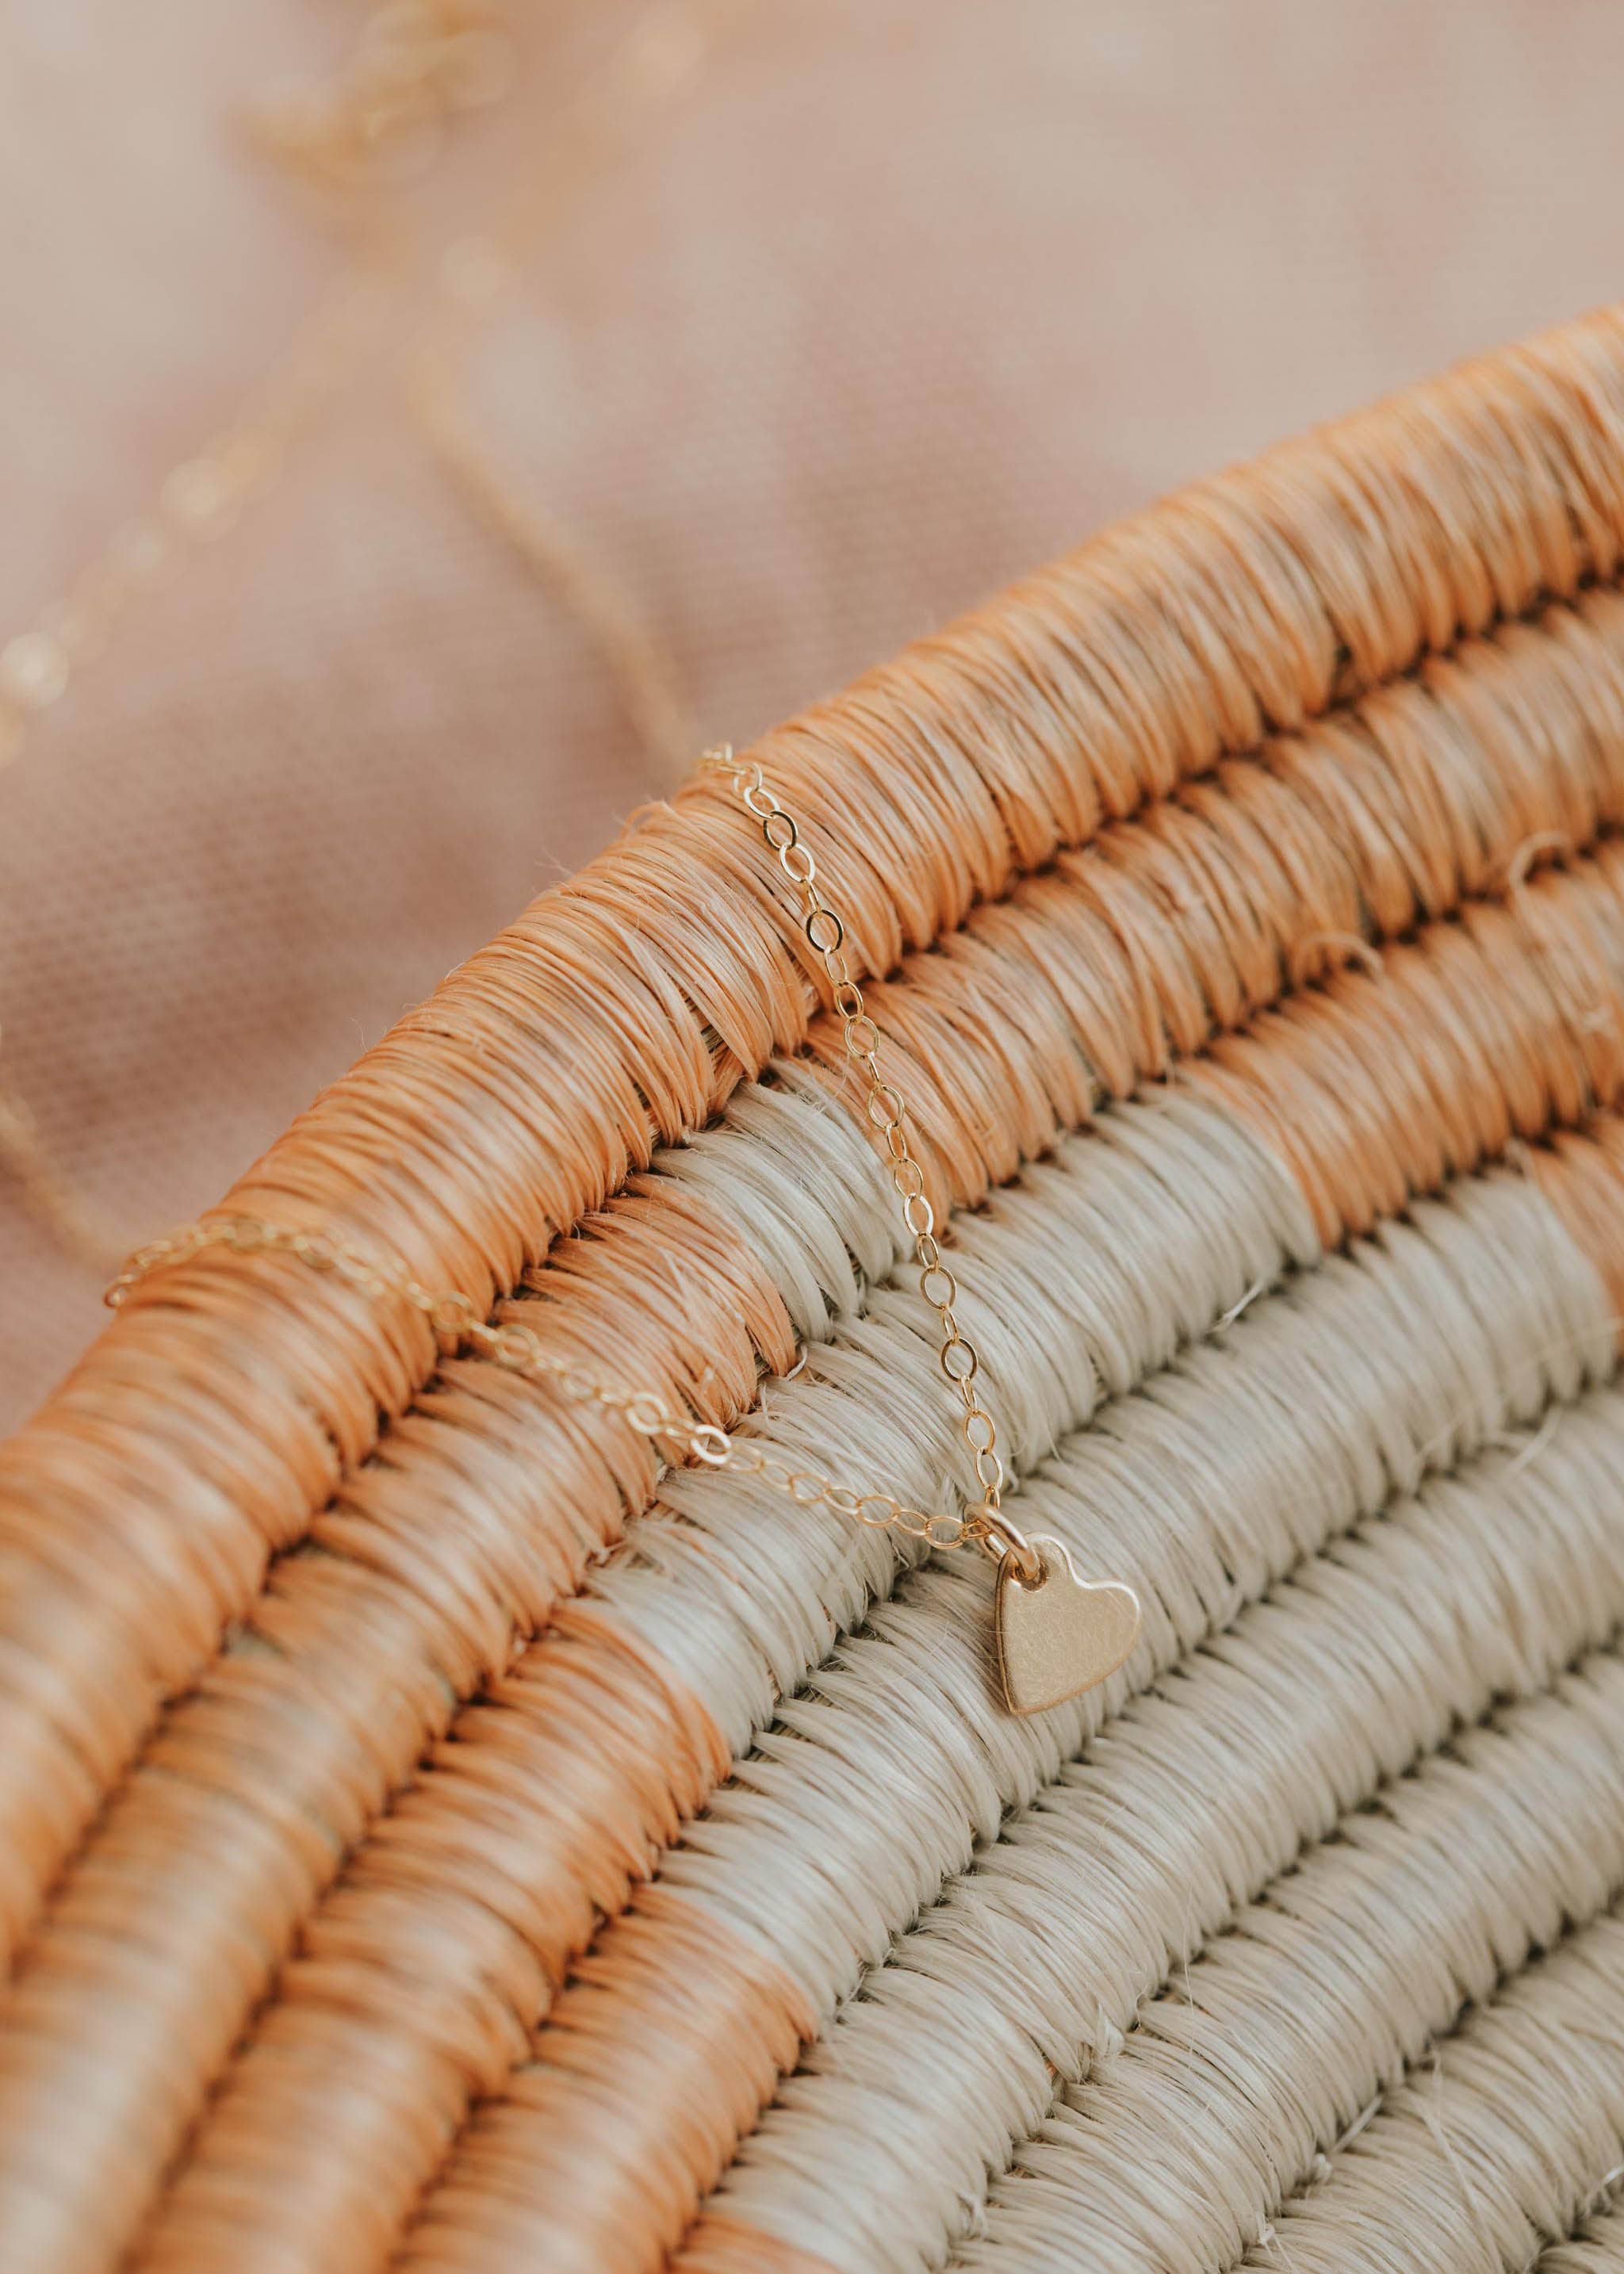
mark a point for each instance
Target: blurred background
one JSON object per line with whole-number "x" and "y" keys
{"x": 426, "y": 423}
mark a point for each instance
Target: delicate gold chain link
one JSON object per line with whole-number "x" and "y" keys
{"x": 455, "y": 1318}
{"x": 825, "y": 931}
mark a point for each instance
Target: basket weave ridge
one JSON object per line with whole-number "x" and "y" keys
{"x": 393, "y": 1882}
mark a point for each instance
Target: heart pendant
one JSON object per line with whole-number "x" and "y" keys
{"x": 1061, "y": 1636}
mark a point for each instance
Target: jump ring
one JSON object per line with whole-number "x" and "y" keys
{"x": 515, "y": 1346}
{"x": 1006, "y": 1539}
{"x": 939, "y": 1286}
{"x": 980, "y": 1430}
{"x": 849, "y": 1003}
{"x": 962, "y": 1369}
{"x": 825, "y": 930}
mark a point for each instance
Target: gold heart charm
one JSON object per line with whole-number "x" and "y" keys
{"x": 1061, "y": 1634}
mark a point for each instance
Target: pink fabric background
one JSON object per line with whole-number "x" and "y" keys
{"x": 898, "y": 299}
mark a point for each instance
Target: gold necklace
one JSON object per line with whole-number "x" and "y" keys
{"x": 412, "y": 71}
{"x": 1055, "y": 1634}
{"x": 647, "y": 71}
{"x": 385, "y": 116}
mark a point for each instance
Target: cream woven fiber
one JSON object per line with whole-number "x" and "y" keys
{"x": 441, "y": 1843}
{"x": 1115, "y": 2012}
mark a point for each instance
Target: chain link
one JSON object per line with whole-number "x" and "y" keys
{"x": 457, "y": 1323}
{"x": 825, "y": 932}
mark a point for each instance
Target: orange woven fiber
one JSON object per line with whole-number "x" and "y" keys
{"x": 142, "y": 1509}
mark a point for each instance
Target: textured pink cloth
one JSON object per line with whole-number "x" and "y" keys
{"x": 895, "y": 301}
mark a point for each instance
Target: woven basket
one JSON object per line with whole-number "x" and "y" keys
{"x": 396, "y": 1877}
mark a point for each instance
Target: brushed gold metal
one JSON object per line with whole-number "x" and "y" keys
{"x": 1063, "y": 1635}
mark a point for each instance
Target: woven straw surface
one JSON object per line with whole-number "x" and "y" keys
{"x": 394, "y": 1879}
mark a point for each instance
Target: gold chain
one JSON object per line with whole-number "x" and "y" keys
{"x": 456, "y": 1319}
{"x": 418, "y": 62}
{"x": 825, "y": 935}
{"x": 199, "y": 501}
{"x": 417, "y": 66}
